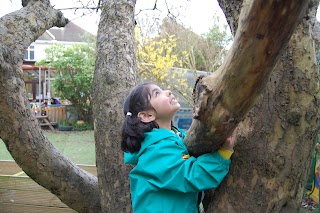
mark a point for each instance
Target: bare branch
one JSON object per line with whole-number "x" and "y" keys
{"x": 223, "y": 98}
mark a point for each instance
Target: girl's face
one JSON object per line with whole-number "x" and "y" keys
{"x": 163, "y": 102}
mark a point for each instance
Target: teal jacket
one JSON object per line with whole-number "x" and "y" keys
{"x": 165, "y": 180}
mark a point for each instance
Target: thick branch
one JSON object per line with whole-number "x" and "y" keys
{"x": 223, "y": 98}
{"x": 19, "y": 129}
{"x": 22, "y": 27}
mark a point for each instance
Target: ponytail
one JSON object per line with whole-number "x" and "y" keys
{"x": 133, "y": 133}
{"x": 133, "y": 128}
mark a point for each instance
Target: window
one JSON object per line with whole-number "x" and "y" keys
{"x": 29, "y": 54}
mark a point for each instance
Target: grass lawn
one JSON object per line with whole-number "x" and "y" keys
{"x": 79, "y": 146}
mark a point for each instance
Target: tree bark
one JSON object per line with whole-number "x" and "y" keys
{"x": 115, "y": 74}
{"x": 224, "y": 98}
{"x": 19, "y": 129}
{"x": 272, "y": 160}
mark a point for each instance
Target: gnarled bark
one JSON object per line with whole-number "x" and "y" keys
{"x": 272, "y": 160}
{"x": 115, "y": 74}
{"x": 19, "y": 129}
{"x": 223, "y": 98}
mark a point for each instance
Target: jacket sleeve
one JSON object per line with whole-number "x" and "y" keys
{"x": 162, "y": 165}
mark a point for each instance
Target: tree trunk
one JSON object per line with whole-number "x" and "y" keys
{"x": 223, "y": 98}
{"x": 19, "y": 129}
{"x": 272, "y": 161}
{"x": 114, "y": 76}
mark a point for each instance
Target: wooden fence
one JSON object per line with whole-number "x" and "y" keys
{"x": 54, "y": 113}
{"x": 19, "y": 193}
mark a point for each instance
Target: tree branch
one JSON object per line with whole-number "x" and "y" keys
{"x": 223, "y": 98}
{"x": 19, "y": 130}
{"x": 34, "y": 19}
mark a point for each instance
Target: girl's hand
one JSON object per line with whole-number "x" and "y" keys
{"x": 231, "y": 141}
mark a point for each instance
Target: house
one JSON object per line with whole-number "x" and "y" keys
{"x": 67, "y": 35}
{"x": 37, "y": 79}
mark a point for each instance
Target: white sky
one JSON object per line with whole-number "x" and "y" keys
{"x": 196, "y": 14}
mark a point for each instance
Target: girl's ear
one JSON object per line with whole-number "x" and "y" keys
{"x": 147, "y": 116}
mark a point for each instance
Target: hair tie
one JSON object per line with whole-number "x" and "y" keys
{"x": 129, "y": 113}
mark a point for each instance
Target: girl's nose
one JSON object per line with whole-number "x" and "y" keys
{"x": 168, "y": 92}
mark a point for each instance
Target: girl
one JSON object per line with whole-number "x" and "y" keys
{"x": 165, "y": 177}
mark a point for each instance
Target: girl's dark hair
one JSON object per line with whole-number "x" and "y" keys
{"x": 133, "y": 128}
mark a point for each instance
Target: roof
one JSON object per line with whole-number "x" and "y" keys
{"x": 69, "y": 33}
{"x": 33, "y": 70}
{"x": 32, "y": 67}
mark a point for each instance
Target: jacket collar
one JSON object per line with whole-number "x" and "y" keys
{"x": 153, "y": 137}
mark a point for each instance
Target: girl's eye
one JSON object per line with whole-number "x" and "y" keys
{"x": 157, "y": 93}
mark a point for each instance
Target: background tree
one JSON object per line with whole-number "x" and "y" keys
{"x": 115, "y": 74}
{"x": 177, "y": 46}
{"x": 157, "y": 62}
{"x": 75, "y": 67}
{"x": 214, "y": 45}
{"x": 205, "y": 52}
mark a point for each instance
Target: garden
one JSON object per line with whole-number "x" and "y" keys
{"x": 77, "y": 145}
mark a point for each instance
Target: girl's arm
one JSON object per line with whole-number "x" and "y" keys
{"x": 163, "y": 165}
